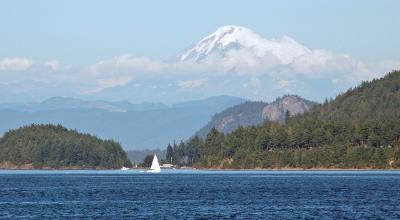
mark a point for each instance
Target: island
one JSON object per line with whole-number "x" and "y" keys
{"x": 55, "y": 147}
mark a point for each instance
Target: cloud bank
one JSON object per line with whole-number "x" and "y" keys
{"x": 15, "y": 64}
{"x": 228, "y": 68}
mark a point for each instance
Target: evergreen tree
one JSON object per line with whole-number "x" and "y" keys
{"x": 287, "y": 116}
{"x": 169, "y": 154}
{"x": 147, "y": 161}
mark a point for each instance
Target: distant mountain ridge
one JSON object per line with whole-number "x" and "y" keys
{"x": 255, "y": 113}
{"x": 57, "y": 103}
{"x": 211, "y": 101}
{"x": 151, "y": 127}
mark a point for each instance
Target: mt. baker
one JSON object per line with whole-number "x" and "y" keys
{"x": 233, "y": 38}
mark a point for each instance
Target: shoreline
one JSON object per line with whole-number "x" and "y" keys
{"x": 11, "y": 166}
{"x": 201, "y": 169}
{"x": 301, "y": 169}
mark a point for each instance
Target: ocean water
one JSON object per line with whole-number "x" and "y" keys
{"x": 185, "y": 194}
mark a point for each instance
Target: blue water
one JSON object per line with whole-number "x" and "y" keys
{"x": 182, "y": 194}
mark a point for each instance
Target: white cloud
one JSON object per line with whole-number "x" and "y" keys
{"x": 126, "y": 64}
{"x": 192, "y": 84}
{"x": 246, "y": 75}
{"x": 284, "y": 85}
{"x": 15, "y": 64}
{"x": 102, "y": 84}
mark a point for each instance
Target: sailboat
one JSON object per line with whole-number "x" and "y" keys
{"x": 155, "y": 167}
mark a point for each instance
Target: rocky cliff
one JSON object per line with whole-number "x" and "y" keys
{"x": 255, "y": 113}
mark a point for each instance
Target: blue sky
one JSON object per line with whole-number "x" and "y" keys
{"x": 77, "y": 34}
{"x": 86, "y": 31}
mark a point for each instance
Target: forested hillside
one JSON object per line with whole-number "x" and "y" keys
{"x": 358, "y": 129}
{"x": 57, "y": 147}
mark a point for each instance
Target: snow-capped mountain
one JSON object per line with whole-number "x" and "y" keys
{"x": 236, "y": 38}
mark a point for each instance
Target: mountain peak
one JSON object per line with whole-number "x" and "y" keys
{"x": 255, "y": 113}
{"x": 232, "y": 37}
{"x": 276, "y": 110}
{"x": 232, "y": 33}
{"x": 231, "y": 28}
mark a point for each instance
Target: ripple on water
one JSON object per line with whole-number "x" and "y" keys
{"x": 221, "y": 194}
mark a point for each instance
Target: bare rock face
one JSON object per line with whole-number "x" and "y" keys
{"x": 277, "y": 109}
{"x": 225, "y": 122}
{"x": 255, "y": 113}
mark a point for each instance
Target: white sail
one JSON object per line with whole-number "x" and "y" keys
{"x": 155, "y": 167}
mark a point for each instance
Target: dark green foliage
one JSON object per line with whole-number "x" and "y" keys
{"x": 170, "y": 154}
{"x": 148, "y": 160}
{"x": 287, "y": 116}
{"x": 56, "y": 146}
{"x": 358, "y": 129}
{"x": 137, "y": 156}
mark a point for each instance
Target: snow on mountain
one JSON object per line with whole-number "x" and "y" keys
{"x": 228, "y": 38}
